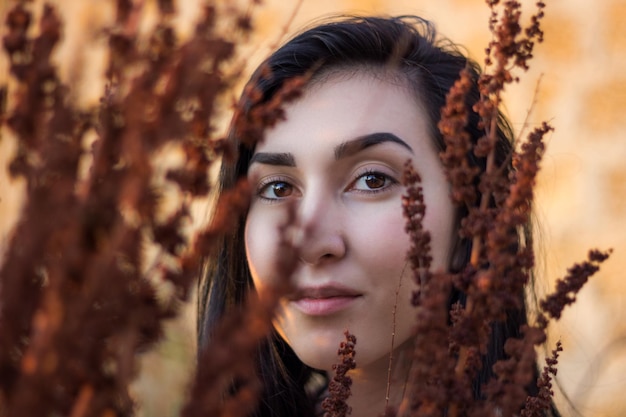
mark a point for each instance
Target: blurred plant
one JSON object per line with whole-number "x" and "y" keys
{"x": 339, "y": 386}
{"x": 80, "y": 297}
{"x": 498, "y": 201}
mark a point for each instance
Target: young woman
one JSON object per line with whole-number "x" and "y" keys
{"x": 373, "y": 101}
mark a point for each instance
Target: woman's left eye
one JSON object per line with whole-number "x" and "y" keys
{"x": 373, "y": 181}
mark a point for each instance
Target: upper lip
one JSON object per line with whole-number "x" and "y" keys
{"x": 323, "y": 291}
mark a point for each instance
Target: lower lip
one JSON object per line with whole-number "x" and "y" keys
{"x": 323, "y": 306}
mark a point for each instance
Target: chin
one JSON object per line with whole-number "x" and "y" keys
{"x": 318, "y": 352}
{"x": 316, "y": 349}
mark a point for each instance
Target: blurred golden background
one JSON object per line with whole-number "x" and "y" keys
{"x": 579, "y": 76}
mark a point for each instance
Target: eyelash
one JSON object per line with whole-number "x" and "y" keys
{"x": 268, "y": 182}
{"x": 389, "y": 182}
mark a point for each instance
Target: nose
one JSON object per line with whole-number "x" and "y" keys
{"x": 321, "y": 229}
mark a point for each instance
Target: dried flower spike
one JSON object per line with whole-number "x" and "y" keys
{"x": 567, "y": 287}
{"x": 339, "y": 386}
{"x": 539, "y": 405}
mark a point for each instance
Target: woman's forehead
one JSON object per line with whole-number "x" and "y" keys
{"x": 349, "y": 105}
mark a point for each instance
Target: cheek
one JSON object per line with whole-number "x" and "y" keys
{"x": 261, "y": 241}
{"x": 378, "y": 235}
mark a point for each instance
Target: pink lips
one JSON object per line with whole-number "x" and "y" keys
{"x": 325, "y": 300}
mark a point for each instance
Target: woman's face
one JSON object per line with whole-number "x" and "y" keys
{"x": 338, "y": 158}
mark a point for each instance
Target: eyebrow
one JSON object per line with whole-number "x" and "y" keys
{"x": 343, "y": 150}
{"x": 354, "y": 146}
{"x": 280, "y": 159}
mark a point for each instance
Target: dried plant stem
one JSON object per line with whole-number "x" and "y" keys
{"x": 530, "y": 110}
{"x": 393, "y": 337}
{"x": 485, "y": 199}
{"x": 81, "y": 405}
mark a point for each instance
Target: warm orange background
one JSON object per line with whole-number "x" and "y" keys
{"x": 581, "y": 200}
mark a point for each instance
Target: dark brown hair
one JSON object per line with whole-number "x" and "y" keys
{"x": 408, "y": 46}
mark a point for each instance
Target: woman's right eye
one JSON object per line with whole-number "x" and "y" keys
{"x": 275, "y": 190}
